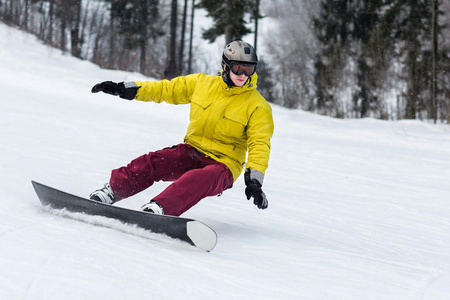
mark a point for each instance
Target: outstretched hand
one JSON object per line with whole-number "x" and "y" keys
{"x": 109, "y": 87}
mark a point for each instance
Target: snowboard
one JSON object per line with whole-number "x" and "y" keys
{"x": 190, "y": 231}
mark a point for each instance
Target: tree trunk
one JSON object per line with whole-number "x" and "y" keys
{"x": 183, "y": 31}
{"x": 62, "y": 40}
{"x": 412, "y": 65}
{"x": 51, "y": 18}
{"x": 171, "y": 69}
{"x": 75, "y": 37}
{"x": 111, "y": 52}
{"x": 191, "y": 38}
{"x": 143, "y": 36}
{"x": 256, "y": 16}
{"x": 228, "y": 34}
{"x": 434, "y": 16}
{"x": 411, "y": 94}
{"x": 25, "y": 21}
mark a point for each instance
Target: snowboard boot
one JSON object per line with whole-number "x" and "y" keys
{"x": 104, "y": 195}
{"x": 153, "y": 207}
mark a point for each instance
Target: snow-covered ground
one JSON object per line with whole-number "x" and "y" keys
{"x": 358, "y": 209}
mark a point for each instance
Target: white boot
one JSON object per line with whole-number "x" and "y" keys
{"x": 153, "y": 207}
{"x": 104, "y": 195}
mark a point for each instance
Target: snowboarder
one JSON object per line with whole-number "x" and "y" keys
{"x": 228, "y": 117}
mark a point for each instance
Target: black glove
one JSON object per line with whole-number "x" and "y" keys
{"x": 254, "y": 190}
{"x": 109, "y": 87}
{"x": 126, "y": 90}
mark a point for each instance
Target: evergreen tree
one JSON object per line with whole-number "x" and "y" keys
{"x": 409, "y": 22}
{"x": 136, "y": 21}
{"x": 367, "y": 56}
{"x": 332, "y": 28}
{"x": 265, "y": 83}
{"x": 228, "y": 17}
{"x": 373, "y": 35}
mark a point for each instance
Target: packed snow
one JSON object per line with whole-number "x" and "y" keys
{"x": 358, "y": 209}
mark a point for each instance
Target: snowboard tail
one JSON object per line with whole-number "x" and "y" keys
{"x": 188, "y": 230}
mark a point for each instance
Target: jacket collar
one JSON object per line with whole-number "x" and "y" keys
{"x": 248, "y": 86}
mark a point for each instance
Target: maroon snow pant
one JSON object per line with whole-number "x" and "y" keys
{"x": 194, "y": 177}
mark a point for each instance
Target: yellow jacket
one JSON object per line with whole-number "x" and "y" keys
{"x": 224, "y": 122}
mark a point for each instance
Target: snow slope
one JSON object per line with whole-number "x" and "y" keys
{"x": 358, "y": 209}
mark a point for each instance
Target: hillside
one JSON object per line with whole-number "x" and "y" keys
{"x": 358, "y": 209}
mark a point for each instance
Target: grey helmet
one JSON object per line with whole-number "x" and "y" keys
{"x": 237, "y": 52}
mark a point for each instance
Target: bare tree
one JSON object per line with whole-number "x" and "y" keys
{"x": 292, "y": 47}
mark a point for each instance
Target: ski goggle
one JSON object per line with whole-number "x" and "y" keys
{"x": 242, "y": 68}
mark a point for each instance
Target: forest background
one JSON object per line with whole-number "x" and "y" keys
{"x": 342, "y": 58}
